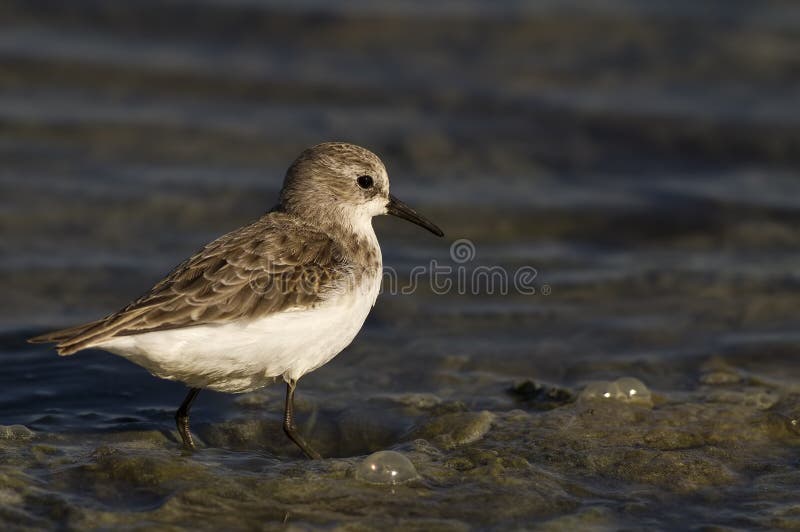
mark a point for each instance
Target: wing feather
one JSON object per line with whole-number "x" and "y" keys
{"x": 276, "y": 263}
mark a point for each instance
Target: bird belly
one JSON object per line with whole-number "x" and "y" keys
{"x": 247, "y": 354}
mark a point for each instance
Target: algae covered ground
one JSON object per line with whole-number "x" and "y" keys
{"x": 721, "y": 452}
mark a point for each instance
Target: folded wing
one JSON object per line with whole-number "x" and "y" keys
{"x": 274, "y": 264}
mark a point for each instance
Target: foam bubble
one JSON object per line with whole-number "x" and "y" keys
{"x": 386, "y": 467}
{"x": 634, "y": 390}
{"x": 625, "y": 389}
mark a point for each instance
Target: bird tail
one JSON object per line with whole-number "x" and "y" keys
{"x": 71, "y": 340}
{"x": 74, "y": 339}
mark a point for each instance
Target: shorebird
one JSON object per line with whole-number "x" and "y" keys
{"x": 279, "y": 297}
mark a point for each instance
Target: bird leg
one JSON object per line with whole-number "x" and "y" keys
{"x": 182, "y": 418}
{"x": 288, "y": 423}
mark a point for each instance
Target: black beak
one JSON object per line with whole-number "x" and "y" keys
{"x": 398, "y": 208}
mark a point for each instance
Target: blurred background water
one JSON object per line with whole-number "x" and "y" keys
{"x": 642, "y": 156}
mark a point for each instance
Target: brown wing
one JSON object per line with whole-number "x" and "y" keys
{"x": 276, "y": 263}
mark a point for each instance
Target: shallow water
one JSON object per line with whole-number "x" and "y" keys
{"x": 642, "y": 157}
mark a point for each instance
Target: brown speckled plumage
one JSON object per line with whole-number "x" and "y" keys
{"x": 293, "y": 256}
{"x": 278, "y": 297}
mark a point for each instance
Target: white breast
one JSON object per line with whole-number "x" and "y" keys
{"x": 245, "y": 355}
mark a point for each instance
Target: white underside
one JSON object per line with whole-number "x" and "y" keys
{"x": 246, "y": 355}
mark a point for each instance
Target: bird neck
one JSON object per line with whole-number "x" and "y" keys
{"x": 354, "y": 231}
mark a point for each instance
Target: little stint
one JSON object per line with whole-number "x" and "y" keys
{"x": 279, "y": 297}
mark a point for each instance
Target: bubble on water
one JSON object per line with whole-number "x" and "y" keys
{"x": 601, "y": 390}
{"x": 634, "y": 390}
{"x": 386, "y": 467}
{"x": 626, "y": 389}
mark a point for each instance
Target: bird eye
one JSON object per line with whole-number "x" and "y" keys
{"x": 364, "y": 181}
